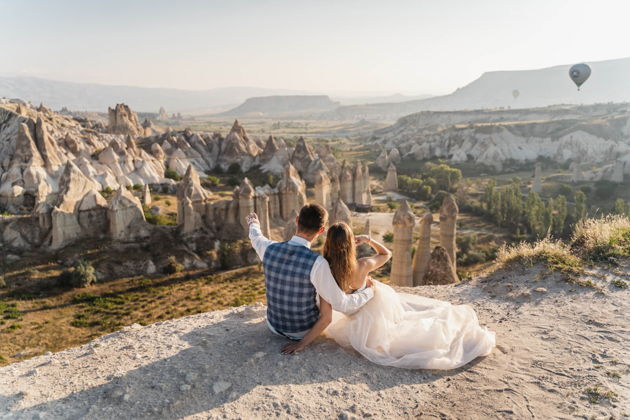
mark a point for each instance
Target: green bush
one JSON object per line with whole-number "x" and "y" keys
{"x": 81, "y": 275}
{"x": 171, "y": 174}
{"x": 137, "y": 187}
{"x": 234, "y": 181}
{"x": 213, "y": 180}
{"x": 388, "y": 237}
{"x": 159, "y": 219}
{"x": 173, "y": 266}
{"x": 107, "y": 192}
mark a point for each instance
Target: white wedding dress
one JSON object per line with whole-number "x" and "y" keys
{"x": 413, "y": 332}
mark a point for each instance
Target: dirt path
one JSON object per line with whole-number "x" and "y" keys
{"x": 555, "y": 342}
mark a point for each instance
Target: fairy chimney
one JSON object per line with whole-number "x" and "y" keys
{"x": 341, "y": 213}
{"x": 440, "y": 271}
{"x": 404, "y": 221}
{"x": 290, "y": 228}
{"x": 537, "y": 185}
{"x": 322, "y": 189}
{"x": 261, "y": 202}
{"x": 448, "y": 227}
{"x": 245, "y": 201}
{"x": 423, "y": 250}
{"x": 391, "y": 180}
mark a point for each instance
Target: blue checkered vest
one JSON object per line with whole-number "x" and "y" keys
{"x": 291, "y": 297}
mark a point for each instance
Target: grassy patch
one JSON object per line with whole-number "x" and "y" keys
{"x": 619, "y": 283}
{"x": 598, "y": 394}
{"x": 554, "y": 254}
{"x": 603, "y": 240}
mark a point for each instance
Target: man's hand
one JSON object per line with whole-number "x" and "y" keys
{"x": 252, "y": 218}
{"x": 293, "y": 348}
{"x": 361, "y": 239}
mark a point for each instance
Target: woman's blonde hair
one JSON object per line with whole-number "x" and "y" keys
{"x": 340, "y": 252}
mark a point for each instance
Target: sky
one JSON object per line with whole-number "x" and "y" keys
{"x": 325, "y": 46}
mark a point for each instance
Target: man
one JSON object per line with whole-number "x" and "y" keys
{"x": 295, "y": 275}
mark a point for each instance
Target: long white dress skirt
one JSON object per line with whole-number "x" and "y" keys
{"x": 412, "y": 332}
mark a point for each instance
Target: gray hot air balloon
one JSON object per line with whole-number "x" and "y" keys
{"x": 515, "y": 93}
{"x": 579, "y": 73}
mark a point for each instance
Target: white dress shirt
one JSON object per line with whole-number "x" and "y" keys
{"x": 321, "y": 276}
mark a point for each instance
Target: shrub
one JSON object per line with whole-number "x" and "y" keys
{"x": 81, "y": 275}
{"x": 171, "y": 174}
{"x": 554, "y": 254}
{"x": 388, "y": 237}
{"x": 137, "y": 187}
{"x": 603, "y": 239}
{"x": 159, "y": 219}
{"x": 107, "y": 192}
{"x": 168, "y": 202}
{"x": 173, "y": 266}
{"x": 213, "y": 180}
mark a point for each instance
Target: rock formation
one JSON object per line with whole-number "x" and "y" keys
{"x": 403, "y": 222}
{"x": 291, "y": 191}
{"x": 346, "y": 181}
{"x": 125, "y": 215}
{"x": 537, "y": 185}
{"x": 238, "y": 148}
{"x": 124, "y": 121}
{"x": 291, "y": 226}
{"x": 382, "y": 161}
{"x": 322, "y": 190}
{"x": 261, "y": 201}
{"x": 592, "y": 135}
{"x": 245, "y": 201}
{"x": 448, "y": 227}
{"x": 440, "y": 271}
{"x": 618, "y": 169}
{"x": 391, "y": 180}
{"x": 192, "y": 200}
{"x": 423, "y": 250}
{"x": 74, "y": 189}
{"x": 146, "y": 195}
{"x": 340, "y": 213}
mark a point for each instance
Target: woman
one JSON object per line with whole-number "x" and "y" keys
{"x": 399, "y": 329}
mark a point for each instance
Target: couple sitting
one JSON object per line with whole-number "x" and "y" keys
{"x": 308, "y": 294}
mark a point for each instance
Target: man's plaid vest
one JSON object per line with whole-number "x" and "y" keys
{"x": 291, "y": 297}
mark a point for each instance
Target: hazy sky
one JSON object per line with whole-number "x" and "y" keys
{"x": 420, "y": 46}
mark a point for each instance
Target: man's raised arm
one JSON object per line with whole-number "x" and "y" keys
{"x": 258, "y": 240}
{"x": 327, "y": 288}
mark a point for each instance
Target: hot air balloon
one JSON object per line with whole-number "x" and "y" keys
{"x": 515, "y": 93}
{"x": 579, "y": 73}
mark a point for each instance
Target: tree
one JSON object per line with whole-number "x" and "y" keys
{"x": 445, "y": 176}
{"x": 580, "y": 211}
{"x": 535, "y": 215}
{"x": 559, "y": 215}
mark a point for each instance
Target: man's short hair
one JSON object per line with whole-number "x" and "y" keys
{"x": 312, "y": 218}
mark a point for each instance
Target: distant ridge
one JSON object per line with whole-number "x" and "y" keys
{"x": 609, "y": 82}
{"x": 288, "y": 104}
{"x": 96, "y": 97}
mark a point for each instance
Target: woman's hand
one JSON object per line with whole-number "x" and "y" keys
{"x": 293, "y": 348}
{"x": 362, "y": 239}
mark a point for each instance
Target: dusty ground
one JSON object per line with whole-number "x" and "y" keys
{"x": 562, "y": 353}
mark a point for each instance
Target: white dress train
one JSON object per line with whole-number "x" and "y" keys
{"x": 412, "y": 332}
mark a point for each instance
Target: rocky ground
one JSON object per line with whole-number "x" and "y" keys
{"x": 561, "y": 353}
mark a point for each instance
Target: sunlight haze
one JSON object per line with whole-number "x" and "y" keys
{"x": 344, "y": 47}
